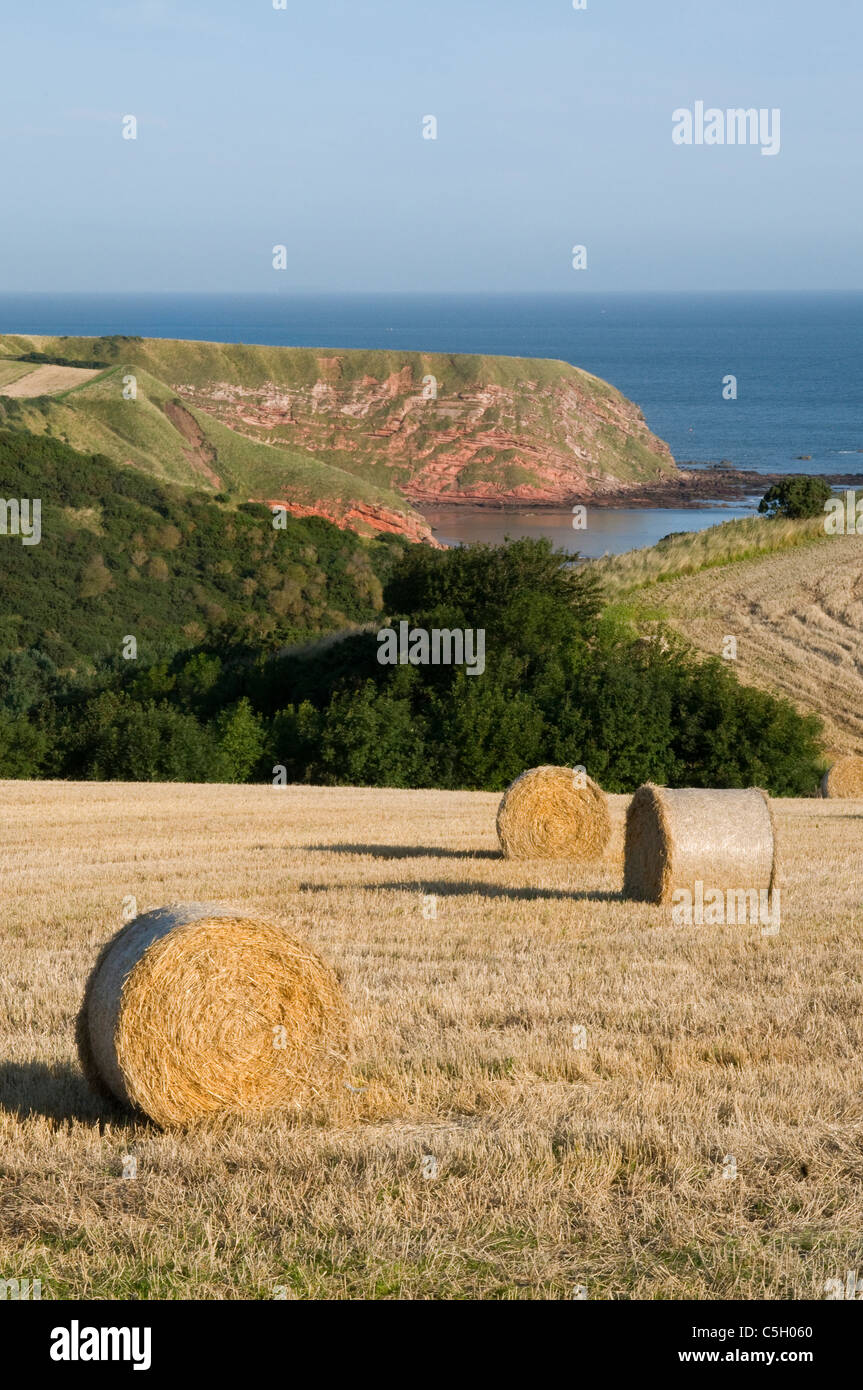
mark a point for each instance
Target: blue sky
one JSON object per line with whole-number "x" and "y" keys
{"x": 303, "y": 127}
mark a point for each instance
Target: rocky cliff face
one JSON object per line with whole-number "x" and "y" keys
{"x": 532, "y": 441}
{"x": 360, "y": 436}
{"x": 360, "y": 516}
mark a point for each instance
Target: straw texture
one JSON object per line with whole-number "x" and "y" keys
{"x": 844, "y": 778}
{"x": 676, "y": 838}
{"x": 546, "y": 814}
{"x": 197, "y": 1009}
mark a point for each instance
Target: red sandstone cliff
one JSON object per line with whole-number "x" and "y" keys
{"x": 530, "y": 441}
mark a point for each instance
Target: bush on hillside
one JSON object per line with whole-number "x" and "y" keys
{"x": 218, "y": 601}
{"x": 559, "y": 686}
{"x": 796, "y": 498}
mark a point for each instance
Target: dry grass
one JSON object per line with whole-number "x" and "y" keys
{"x": 48, "y": 380}
{"x": 692, "y": 552}
{"x": 13, "y": 371}
{"x": 557, "y": 1166}
{"x": 797, "y": 617}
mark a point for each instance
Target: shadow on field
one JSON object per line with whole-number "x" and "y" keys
{"x": 58, "y": 1092}
{"x": 410, "y": 851}
{"x": 447, "y": 889}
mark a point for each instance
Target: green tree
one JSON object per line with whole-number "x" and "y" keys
{"x": 197, "y": 680}
{"x": 115, "y": 739}
{"x": 240, "y": 737}
{"x": 525, "y": 592}
{"x": 796, "y": 498}
{"x": 26, "y": 678}
{"x": 295, "y": 738}
{"x": 370, "y": 739}
{"x": 24, "y": 748}
{"x": 487, "y": 732}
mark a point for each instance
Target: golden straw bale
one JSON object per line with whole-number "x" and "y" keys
{"x": 196, "y": 1009}
{"x": 676, "y": 838}
{"x": 554, "y": 813}
{"x": 844, "y": 778}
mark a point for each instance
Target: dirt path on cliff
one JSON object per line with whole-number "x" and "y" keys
{"x": 201, "y": 455}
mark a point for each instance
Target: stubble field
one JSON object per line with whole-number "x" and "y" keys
{"x": 796, "y": 615}
{"x": 43, "y": 381}
{"x": 558, "y": 1166}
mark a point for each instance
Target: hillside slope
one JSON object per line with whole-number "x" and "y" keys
{"x": 430, "y": 427}
{"x": 174, "y": 442}
{"x": 122, "y": 554}
{"x": 796, "y": 612}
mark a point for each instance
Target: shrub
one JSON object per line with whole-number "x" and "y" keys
{"x": 796, "y": 498}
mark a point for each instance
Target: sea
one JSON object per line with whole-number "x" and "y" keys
{"x": 795, "y": 403}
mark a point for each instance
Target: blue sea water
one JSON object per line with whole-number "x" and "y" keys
{"x": 798, "y": 360}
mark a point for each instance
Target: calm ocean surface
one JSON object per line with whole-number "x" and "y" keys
{"x": 608, "y": 531}
{"x": 798, "y": 360}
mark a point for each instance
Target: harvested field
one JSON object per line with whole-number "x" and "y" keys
{"x": 797, "y": 616}
{"x": 13, "y": 371}
{"x": 469, "y": 978}
{"x": 47, "y": 380}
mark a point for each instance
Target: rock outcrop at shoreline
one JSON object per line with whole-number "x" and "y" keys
{"x": 361, "y": 517}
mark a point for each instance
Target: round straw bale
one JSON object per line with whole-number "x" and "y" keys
{"x": 196, "y": 1009}
{"x": 844, "y": 778}
{"x": 674, "y": 839}
{"x": 553, "y": 813}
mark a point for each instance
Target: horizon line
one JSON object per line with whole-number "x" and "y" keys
{"x": 429, "y": 294}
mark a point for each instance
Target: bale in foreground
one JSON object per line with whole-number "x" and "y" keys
{"x": 195, "y": 1009}
{"x": 844, "y": 778}
{"x": 553, "y": 813}
{"x": 675, "y": 839}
